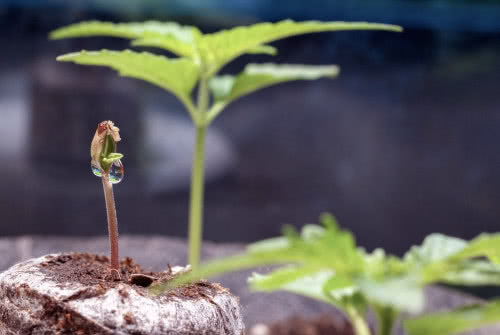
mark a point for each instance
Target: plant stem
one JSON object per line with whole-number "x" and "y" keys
{"x": 358, "y": 322}
{"x": 197, "y": 179}
{"x": 112, "y": 222}
{"x": 386, "y": 318}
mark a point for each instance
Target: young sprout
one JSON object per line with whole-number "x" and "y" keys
{"x": 105, "y": 163}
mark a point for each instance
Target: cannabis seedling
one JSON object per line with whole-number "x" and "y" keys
{"x": 106, "y": 164}
{"x": 201, "y": 56}
{"x": 324, "y": 263}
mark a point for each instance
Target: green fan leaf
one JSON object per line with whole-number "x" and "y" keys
{"x": 178, "y": 76}
{"x": 451, "y": 260}
{"x": 170, "y": 36}
{"x": 473, "y": 273}
{"x": 315, "y": 249}
{"x": 455, "y": 322}
{"x": 436, "y": 247}
{"x": 402, "y": 293}
{"x": 219, "y": 48}
{"x": 485, "y": 245}
{"x": 263, "y": 49}
{"x": 279, "y": 278}
{"x": 310, "y": 285}
{"x": 257, "y": 76}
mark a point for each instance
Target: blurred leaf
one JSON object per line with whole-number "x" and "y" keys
{"x": 456, "y": 321}
{"x": 175, "y": 75}
{"x": 219, "y": 48}
{"x": 263, "y": 49}
{"x": 473, "y": 273}
{"x": 487, "y": 245}
{"x": 451, "y": 260}
{"x": 311, "y": 285}
{"x": 402, "y": 293}
{"x": 316, "y": 248}
{"x": 280, "y": 278}
{"x": 436, "y": 247}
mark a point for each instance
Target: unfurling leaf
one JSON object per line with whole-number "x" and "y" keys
{"x": 103, "y": 145}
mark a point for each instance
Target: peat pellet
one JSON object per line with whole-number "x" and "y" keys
{"x": 76, "y": 294}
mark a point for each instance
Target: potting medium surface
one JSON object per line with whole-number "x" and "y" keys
{"x": 77, "y": 293}
{"x": 155, "y": 253}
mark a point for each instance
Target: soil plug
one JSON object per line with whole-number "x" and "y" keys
{"x": 105, "y": 163}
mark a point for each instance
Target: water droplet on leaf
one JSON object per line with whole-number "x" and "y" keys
{"x": 116, "y": 172}
{"x": 96, "y": 171}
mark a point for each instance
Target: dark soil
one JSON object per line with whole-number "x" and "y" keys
{"x": 94, "y": 271}
{"x": 323, "y": 325}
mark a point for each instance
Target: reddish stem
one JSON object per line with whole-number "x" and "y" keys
{"x": 112, "y": 222}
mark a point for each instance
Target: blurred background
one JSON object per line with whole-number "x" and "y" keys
{"x": 405, "y": 142}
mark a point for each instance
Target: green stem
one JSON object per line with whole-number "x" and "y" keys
{"x": 386, "y": 318}
{"x": 197, "y": 179}
{"x": 358, "y": 321}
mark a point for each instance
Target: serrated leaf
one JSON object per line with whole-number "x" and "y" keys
{"x": 473, "y": 273}
{"x": 179, "y": 39}
{"x": 309, "y": 286}
{"x": 280, "y": 278}
{"x": 401, "y": 293}
{"x": 380, "y": 265}
{"x": 258, "y": 76}
{"x": 448, "y": 259}
{"x": 219, "y": 48}
{"x": 226, "y": 89}
{"x": 455, "y": 322}
{"x": 339, "y": 290}
{"x": 170, "y": 36}
{"x": 175, "y": 75}
{"x": 276, "y": 243}
{"x": 485, "y": 245}
{"x": 263, "y": 49}
{"x": 436, "y": 247}
{"x": 314, "y": 246}
{"x": 320, "y": 248}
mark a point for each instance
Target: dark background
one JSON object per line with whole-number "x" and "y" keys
{"x": 404, "y": 143}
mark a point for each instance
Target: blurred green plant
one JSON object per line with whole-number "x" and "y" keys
{"x": 324, "y": 263}
{"x": 200, "y": 57}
